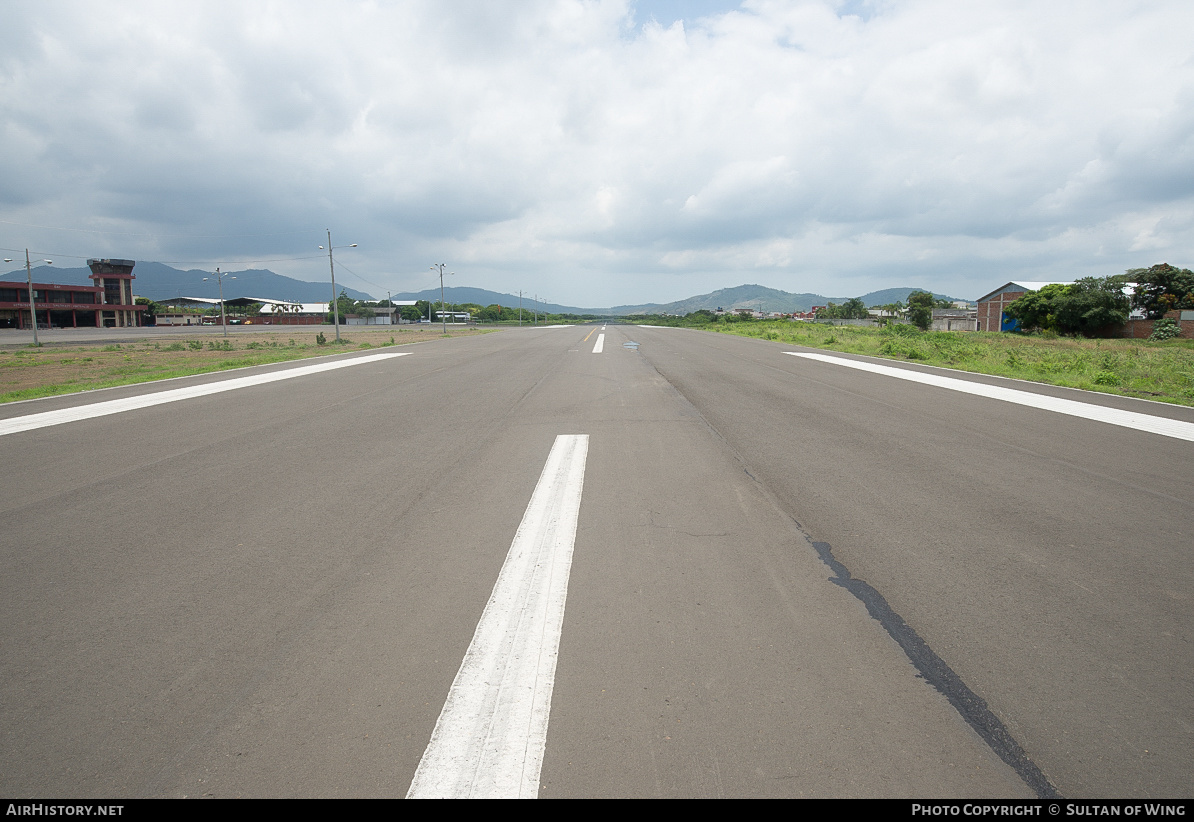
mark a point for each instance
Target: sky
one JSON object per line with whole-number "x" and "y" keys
{"x": 604, "y": 152}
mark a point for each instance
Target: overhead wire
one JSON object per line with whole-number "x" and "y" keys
{"x": 155, "y": 234}
{"x": 171, "y": 262}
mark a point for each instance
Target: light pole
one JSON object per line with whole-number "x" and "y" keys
{"x": 32, "y": 309}
{"x": 220, "y": 281}
{"x": 520, "y": 308}
{"x": 335, "y": 297}
{"x": 442, "y": 316}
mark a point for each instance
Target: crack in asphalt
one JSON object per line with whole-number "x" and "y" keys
{"x": 937, "y": 673}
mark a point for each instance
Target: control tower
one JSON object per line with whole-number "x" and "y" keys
{"x": 116, "y": 277}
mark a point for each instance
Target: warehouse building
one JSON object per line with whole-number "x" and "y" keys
{"x": 991, "y": 306}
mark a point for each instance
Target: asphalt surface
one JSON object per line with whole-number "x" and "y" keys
{"x": 790, "y": 578}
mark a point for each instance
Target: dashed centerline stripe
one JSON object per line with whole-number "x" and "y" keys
{"x": 1176, "y": 429}
{"x": 490, "y": 736}
{"x": 102, "y": 409}
{"x": 599, "y": 346}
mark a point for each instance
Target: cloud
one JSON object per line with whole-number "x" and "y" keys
{"x": 606, "y": 151}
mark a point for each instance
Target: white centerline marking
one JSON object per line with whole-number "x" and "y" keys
{"x": 1099, "y": 413}
{"x": 102, "y": 409}
{"x": 599, "y": 346}
{"x": 490, "y": 736}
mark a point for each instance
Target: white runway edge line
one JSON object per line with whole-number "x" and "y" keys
{"x": 490, "y": 736}
{"x": 1113, "y": 416}
{"x": 599, "y": 346}
{"x": 101, "y": 409}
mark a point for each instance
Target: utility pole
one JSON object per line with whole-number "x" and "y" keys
{"x": 442, "y": 316}
{"x": 223, "y": 316}
{"x": 220, "y": 280}
{"x": 335, "y": 298}
{"x": 32, "y": 308}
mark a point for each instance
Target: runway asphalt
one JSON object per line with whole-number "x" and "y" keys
{"x": 785, "y": 577}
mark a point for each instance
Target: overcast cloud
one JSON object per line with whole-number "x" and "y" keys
{"x": 602, "y": 152}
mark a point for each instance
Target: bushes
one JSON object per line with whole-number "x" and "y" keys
{"x": 1090, "y": 307}
{"x": 1165, "y": 328}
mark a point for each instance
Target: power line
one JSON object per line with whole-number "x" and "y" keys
{"x": 359, "y": 277}
{"x": 147, "y": 234}
{"x": 178, "y": 262}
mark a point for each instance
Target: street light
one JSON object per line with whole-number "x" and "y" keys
{"x": 442, "y": 317}
{"x": 32, "y": 309}
{"x": 335, "y": 297}
{"x": 220, "y": 280}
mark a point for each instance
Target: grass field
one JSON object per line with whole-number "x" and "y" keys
{"x": 29, "y": 373}
{"x": 1161, "y": 371}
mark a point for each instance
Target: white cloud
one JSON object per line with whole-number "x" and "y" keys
{"x": 607, "y": 152}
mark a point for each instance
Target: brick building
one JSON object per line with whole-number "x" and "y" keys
{"x": 991, "y": 306}
{"x": 60, "y": 306}
{"x": 109, "y": 302}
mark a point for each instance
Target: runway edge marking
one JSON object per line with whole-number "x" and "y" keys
{"x": 490, "y": 736}
{"x": 45, "y": 419}
{"x": 1177, "y": 429}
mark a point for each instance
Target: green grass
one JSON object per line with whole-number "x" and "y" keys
{"x": 1161, "y": 371}
{"x": 28, "y": 373}
{"x": 134, "y": 373}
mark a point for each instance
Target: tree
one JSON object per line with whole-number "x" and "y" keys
{"x": 346, "y": 305}
{"x": 854, "y": 309}
{"x": 920, "y": 309}
{"x": 1161, "y": 288}
{"x": 151, "y": 313}
{"x": 1037, "y": 310}
{"x": 1090, "y": 306}
{"x": 490, "y": 313}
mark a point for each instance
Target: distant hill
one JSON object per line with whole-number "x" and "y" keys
{"x": 464, "y": 294}
{"x": 890, "y": 295}
{"x": 158, "y": 281}
{"x": 762, "y": 298}
{"x": 757, "y": 297}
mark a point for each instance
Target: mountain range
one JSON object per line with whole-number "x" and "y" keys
{"x": 158, "y": 281}
{"x": 756, "y": 297}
